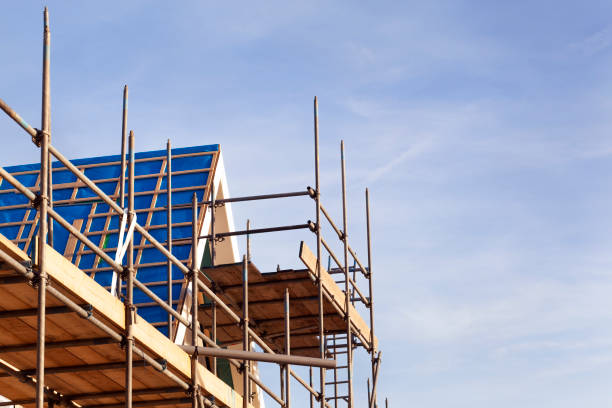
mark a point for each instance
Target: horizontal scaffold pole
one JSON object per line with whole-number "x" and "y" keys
{"x": 309, "y": 224}
{"x": 257, "y": 356}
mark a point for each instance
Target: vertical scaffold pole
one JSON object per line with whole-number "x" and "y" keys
{"x": 194, "y": 300}
{"x": 46, "y": 114}
{"x": 123, "y": 142}
{"x": 245, "y": 331}
{"x": 287, "y": 349}
{"x": 213, "y": 251}
{"x": 42, "y": 230}
{"x": 119, "y": 286}
{"x": 248, "y": 240}
{"x": 282, "y": 384}
{"x": 213, "y": 254}
{"x": 214, "y": 333}
{"x": 248, "y": 255}
{"x": 319, "y": 280}
{"x": 371, "y": 301}
{"x": 347, "y": 289}
{"x": 310, "y": 383}
{"x": 129, "y": 298}
{"x": 169, "y": 228}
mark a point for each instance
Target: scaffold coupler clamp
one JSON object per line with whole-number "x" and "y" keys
{"x": 124, "y": 342}
{"x": 312, "y": 226}
{"x": 311, "y": 192}
{"x": 163, "y": 363}
{"x": 37, "y": 138}
{"x": 27, "y": 264}
{"x": 194, "y": 390}
{"x": 89, "y": 309}
{"x": 125, "y": 273}
{"x": 131, "y": 314}
{"x": 37, "y": 200}
{"x": 37, "y": 279}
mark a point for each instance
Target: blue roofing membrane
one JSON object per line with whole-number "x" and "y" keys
{"x": 79, "y": 205}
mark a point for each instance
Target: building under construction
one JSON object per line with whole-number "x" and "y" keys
{"x": 122, "y": 284}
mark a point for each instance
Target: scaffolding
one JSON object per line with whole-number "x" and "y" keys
{"x": 304, "y": 317}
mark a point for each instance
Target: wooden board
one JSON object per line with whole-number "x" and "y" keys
{"x": 266, "y": 311}
{"x": 67, "y": 326}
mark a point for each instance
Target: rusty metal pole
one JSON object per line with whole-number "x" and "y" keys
{"x": 245, "y": 331}
{"x": 375, "y": 380}
{"x": 287, "y": 349}
{"x": 319, "y": 280}
{"x": 194, "y": 300}
{"x": 42, "y": 230}
{"x": 214, "y": 333}
{"x": 282, "y": 385}
{"x": 213, "y": 254}
{"x": 46, "y": 114}
{"x": 123, "y": 142}
{"x": 310, "y": 383}
{"x": 248, "y": 237}
{"x": 248, "y": 240}
{"x": 347, "y": 291}
{"x": 130, "y": 310}
{"x": 369, "y": 396}
{"x": 123, "y": 168}
{"x": 169, "y": 224}
{"x": 50, "y": 194}
{"x": 371, "y": 301}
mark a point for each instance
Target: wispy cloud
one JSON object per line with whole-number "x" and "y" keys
{"x": 595, "y": 42}
{"x": 412, "y": 152}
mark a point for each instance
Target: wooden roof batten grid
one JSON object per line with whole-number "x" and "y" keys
{"x": 91, "y": 330}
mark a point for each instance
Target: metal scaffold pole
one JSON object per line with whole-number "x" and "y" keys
{"x": 347, "y": 289}
{"x": 319, "y": 280}
{"x": 287, "y": 349}
{"x": 371, "y": 302}
{"x": 42, "y": 230}
{"x": 245, "y": 331}
{"x": 123, "y": 142}
{"x": 123, "y": 168}
{"x": 169, "y": 228}
{"x": 129, "y": 298}
{"x": 310, "y": 384}
{"x": 194, "y": 300}
{"x": 213, "y": 253}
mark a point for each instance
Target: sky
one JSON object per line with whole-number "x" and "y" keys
{"x": 482, "y": 130}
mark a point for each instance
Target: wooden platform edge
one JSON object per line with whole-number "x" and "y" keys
{"x": 310, "y": 260}
{"x": 78, "y": 284}
{"x": 7, "y": 246}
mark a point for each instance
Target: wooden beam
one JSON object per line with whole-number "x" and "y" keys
{"x": 310, "y": 260}
{"x": 78, "y": 284}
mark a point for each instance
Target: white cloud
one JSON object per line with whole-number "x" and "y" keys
{"x": 594, "y": 43}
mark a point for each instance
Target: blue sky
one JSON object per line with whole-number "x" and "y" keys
{"x": 481, "y": 128}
